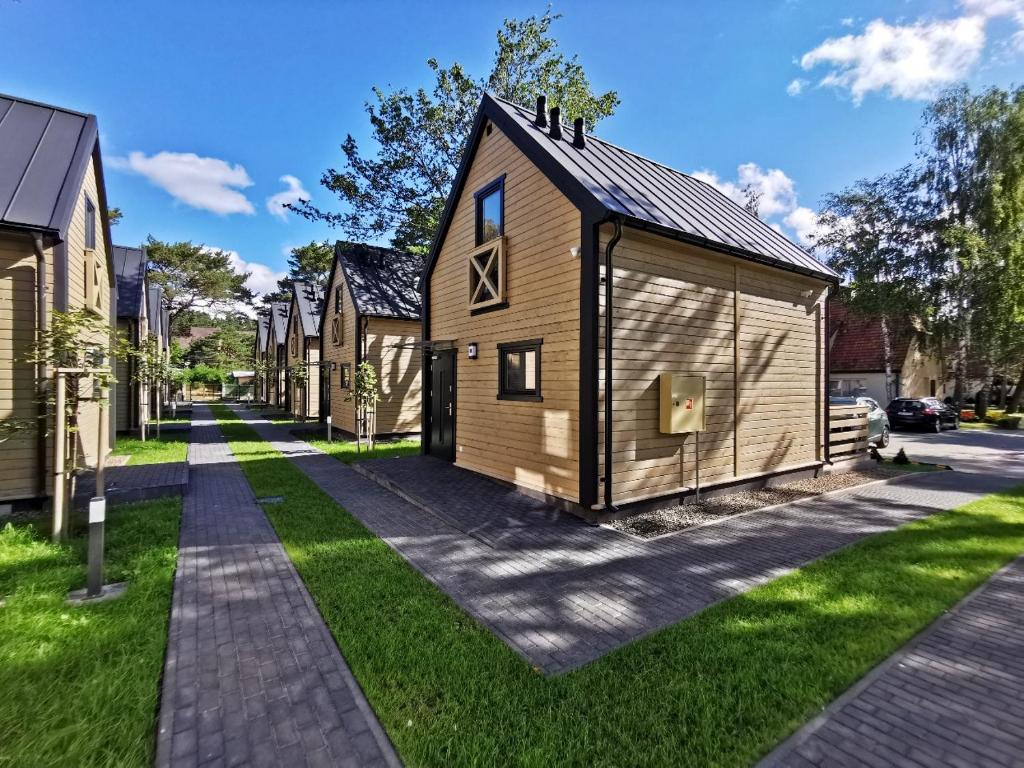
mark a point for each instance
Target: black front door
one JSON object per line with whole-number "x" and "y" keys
{"x": 442, "y": 404}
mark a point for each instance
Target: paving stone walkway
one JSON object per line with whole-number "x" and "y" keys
{"x": 952, "y": 697}
{"x": 562, "y": 593}
{"x": 252, "y": 674}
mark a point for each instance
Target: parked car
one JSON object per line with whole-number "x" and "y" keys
{"x": 878, "y": 420}
{"x": 923, "y": 413}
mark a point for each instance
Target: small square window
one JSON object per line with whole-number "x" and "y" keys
{"x": 519, "y": 370}
{"x": 490, "y": 211}
{"x": 90, "y": 224}
{"x": 346, "y": 376}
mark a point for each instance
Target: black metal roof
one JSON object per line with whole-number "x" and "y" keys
{"x": 262, "y": 332}
{"x": 44, "y": 154}
{"x": 383, "y": 282}
{"x": 279, "y": 314}
{"x": 308, "y": 299}
{"x": 605, "y": 180}
{"x": 130, "y": 272}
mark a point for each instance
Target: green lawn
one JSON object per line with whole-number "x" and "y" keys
{"x": 171, "y": 446}
{"x": 721, "y": 688}
{"x": 79, "y": 685}
{"x": 345, "y": 450}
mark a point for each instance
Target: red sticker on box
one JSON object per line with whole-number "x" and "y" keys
{"x": 689, "y": 403}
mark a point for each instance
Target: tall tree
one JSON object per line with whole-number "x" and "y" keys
{"x": 309, "y": 263}
{"x": 195, "y": 277}
{"x": 421, "y": 134}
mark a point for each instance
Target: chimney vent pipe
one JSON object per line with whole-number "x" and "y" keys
{"x": 579, "y": 139}
{"x": 556, "y": 123}
{"x": 542, "y": 111}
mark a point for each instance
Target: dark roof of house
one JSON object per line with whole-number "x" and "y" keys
{"x": 130, "y": 273}
{"x": 604, "y": 180}
{"x": 857, "y": 345}
{"x": 44, "y": 154}
{"x": 194, "y": 334}
{"x": 279, "y": 313}
{"x": 156, "y": 315}
{"x": 382, "y": 282}
{"x": 308, "y": 299}
{"x": 262, "y": 332}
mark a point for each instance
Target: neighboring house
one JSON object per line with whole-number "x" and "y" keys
{"x": 371, "y": 313}
{"x": 159, "y": 328}
{"x": 303, "y": 351}
{"x": 857, "y": 359}
{"x": 277, "y": 355}
{"x": 133, "y": 326}
{"x": 195, "y": 333}
{"x": 514, "y": 299}
{"x": 259, "y": 354}
{"x": 55, "y": 255}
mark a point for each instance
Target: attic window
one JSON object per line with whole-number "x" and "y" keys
{"x": 487, "y": 276}
{"x": 490, "y": 211}
{"x": 92, "y": 276}
{"x": 337, "y": 298}
{"x": 338, "y": 329}
{"x": 295, "y": 344}
{"x": 90, "y": 224}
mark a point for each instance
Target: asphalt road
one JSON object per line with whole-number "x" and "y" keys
{"x": 995, "y": 451}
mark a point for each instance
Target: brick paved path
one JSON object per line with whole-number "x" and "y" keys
{"x": 952, "y": 697}
{"x": 252, "y": 675}
{"x": 561, "y": 592}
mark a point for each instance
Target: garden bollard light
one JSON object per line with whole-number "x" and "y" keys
{"x": 97, "y": 518}
{"x": 329, "y": 430}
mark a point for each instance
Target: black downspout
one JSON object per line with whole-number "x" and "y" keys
{"x": 42, "y": 371}
{"x": 608, "y": 388}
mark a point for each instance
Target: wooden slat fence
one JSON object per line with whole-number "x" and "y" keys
{"x": 847, "y": 430}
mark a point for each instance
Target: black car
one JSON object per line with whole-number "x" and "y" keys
{"x": 922, "y": 412}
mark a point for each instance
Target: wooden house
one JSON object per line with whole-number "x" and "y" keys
{"x": 857, "y": 359}
{"x": 133, "y": 326}
{"x": 371, "y": 313}
{"x": 55, "y": 255}
{"x": 277, "y": 355}
{"x": 259, "y": 355}
{"x": 698, "y": 356}
{"x": 303, "y": 351}
{"x": 160, "y": 329}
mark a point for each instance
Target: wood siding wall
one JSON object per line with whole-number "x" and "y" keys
{"x": 388, "y": 346}
{"x": 343, "y": 412}
{"x": 754, "y": 332}
{"x": 304, "y": 401}
{"x": 531, "y": 444}
{"x": 17, "y": 330}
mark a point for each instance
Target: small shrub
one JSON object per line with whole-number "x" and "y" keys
{"x": 874, "y": 454}
{"x": 1008, "y": 422}
{"x": 901, "y": 458}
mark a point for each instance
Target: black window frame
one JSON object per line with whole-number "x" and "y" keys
{"x": 497, "y": 185}
{"x": 90, "y": 224}
{"x": 345, "y": 376}
{"x": 529, "y": 395}
{"x": 337, "y": 299}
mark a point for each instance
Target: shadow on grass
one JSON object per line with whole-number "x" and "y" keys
{"x": 720, "y": 688}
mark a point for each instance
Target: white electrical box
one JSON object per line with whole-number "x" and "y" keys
{"x": 682, "y": 403}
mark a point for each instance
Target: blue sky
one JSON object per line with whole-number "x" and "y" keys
{"x": 208, "y": 109}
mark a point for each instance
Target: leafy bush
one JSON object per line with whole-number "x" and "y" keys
{"x": 205, "y": 374}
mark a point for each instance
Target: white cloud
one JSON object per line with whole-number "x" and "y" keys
{"x": 293, "y": 194}
{"x": 778, "y": 192}
{"x": 846, "y": 21}
{"x": 206, "y": 183}
{"x": 804, "y": 223}
{"x": 911, "y": 61}
{"x": 796, "y": 87}
{"x": 908, "y": 62}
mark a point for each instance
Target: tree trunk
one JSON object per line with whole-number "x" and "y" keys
{"x": 985, "y": 394}
{"x": 1018, "y": 394}
{"x": 890, "y": 394}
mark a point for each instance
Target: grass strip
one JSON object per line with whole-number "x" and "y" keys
{"x": 345, "y": 450}
{"x": 169, "y": 447}
{"x": 721, "y": 688}
{"x": 79, "y": 685}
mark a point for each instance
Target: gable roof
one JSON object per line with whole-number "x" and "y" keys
{"x": 130, "y": 274}
{"x": 154, "y": 299}
{"x": 262, "y": 332}
{"x": 279, "y": 317}
{"x": 308, "y": 299}
{"x": 44, "y": 154}
{"x": 857, "y": 342}
{"x": 382, "y": 282}
{"x": 604, "y": 180}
